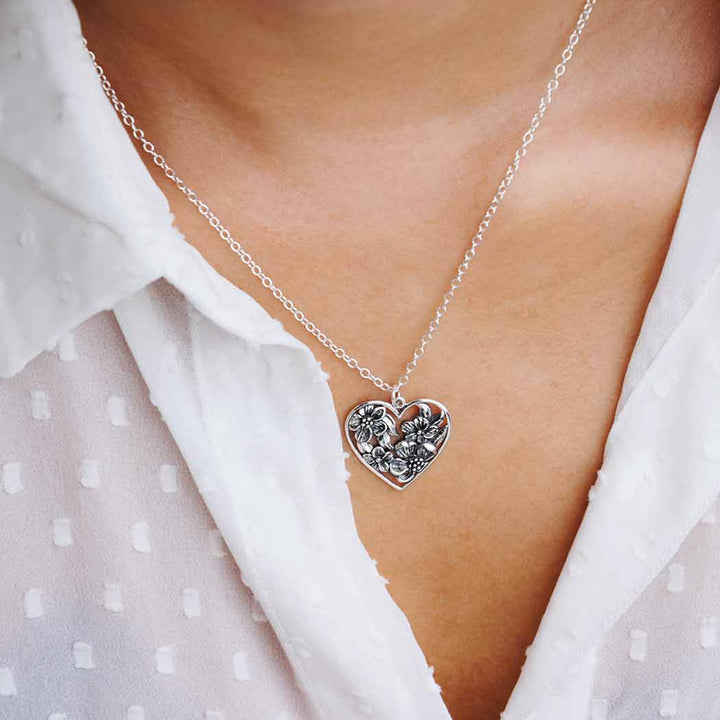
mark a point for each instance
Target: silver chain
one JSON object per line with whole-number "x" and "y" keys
{"x": 463, "y": 268}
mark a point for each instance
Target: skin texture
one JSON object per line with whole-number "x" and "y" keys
{"x": 353, "y": 148}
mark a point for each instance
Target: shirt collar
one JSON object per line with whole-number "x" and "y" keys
{"x": 83, "y": 223}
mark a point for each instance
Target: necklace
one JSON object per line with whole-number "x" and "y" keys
{"x": 396, "y": 440}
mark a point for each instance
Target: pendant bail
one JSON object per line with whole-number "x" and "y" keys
{"x": 398, "y": 400}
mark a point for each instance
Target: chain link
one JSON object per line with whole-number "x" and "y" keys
{"x": 279, "y": 295}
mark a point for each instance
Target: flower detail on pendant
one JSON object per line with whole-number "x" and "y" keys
{"x": 370, "y": 421}
{"x": 423, "y": 428}
{"x": 379, "y": 458}
{"x": 411, "y": 459}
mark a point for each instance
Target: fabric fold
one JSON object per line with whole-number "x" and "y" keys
{"x": 257, "y": 427}
{"x": 693, "y": 255}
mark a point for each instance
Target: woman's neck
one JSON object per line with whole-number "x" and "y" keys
{"x": 337, "y": 64}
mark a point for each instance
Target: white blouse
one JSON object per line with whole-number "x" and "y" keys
{"x": 176, "y": 534}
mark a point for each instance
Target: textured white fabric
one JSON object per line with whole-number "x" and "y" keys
{"x": 172, "y": 414}
{"x": 118, "y": 591}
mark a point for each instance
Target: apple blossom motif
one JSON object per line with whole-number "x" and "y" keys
{"x": 370, "y": 421}
{"x": 411, "y": 459}
{"x": 378, "y": 458}
{"x": 424, "y": 427}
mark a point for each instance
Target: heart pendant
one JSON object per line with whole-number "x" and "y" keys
{"x": 398, "y": 455}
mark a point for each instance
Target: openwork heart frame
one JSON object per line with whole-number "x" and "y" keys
{"x": 398, "y": 455}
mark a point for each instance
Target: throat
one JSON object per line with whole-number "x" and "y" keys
{"x": 275, "y": 69}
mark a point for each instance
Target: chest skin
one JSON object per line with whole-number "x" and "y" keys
{"x": 364, "y": 230}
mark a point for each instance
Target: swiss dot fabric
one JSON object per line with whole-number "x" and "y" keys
{"x": 176, "y": 534}
{"x": 119, "y": 599}
{"x": 662, "y": 659}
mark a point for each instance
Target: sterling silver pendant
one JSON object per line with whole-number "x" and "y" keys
{"x": 398, "y": 444}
